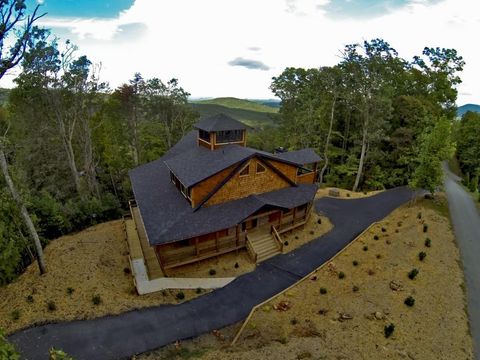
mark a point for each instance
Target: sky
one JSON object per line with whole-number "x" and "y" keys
{"x": 234, "y": 47}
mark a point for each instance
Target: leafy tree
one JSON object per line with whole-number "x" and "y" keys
{"x": 7, "y": 350}
{"x": 468, "y": 147}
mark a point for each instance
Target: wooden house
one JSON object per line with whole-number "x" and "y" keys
{"x": 211, "y": 194}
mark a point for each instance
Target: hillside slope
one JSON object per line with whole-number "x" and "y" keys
{"x": 235, "y": 103}
{"x": 467, "y": 107}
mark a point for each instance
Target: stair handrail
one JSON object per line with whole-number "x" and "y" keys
{"x": 277, "y": 237}
{"x": 250, "y": 250}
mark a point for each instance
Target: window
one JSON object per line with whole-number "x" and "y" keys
{"x": 305, "y": 169}
{"x": 204, "y": 135}
{"x": 229, "y": 136}
{"x": 260, "y": 168}
{"x": 245, "y": 171}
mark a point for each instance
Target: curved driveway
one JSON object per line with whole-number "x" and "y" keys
{"x": 466, "y": 224}
{"x": 121, "y": 336}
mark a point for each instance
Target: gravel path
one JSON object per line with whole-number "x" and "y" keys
{"x": 121, "y": 336}
{"x": 466, "y": 224}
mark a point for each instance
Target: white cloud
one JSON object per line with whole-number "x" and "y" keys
{"x": 194, "y": 40}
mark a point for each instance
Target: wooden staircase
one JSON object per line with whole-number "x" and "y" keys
{"x": 262, "y": 246}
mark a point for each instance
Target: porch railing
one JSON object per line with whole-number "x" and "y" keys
{"x": 277, "y": 238}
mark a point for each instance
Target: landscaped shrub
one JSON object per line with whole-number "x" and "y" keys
{"x": 341, "y": 275}
{"x": 355, "y": 263}
{"x": 428, "y": 242}
{"x": 419, "y": 215}
{"x": 378, "y": 256}
{"x": 383, "y": 229}
{"x": 388, "y": 330}
{"x": 236, "y": 266}
{"x": 199, "y": 290}
{"x": 312, "y": 232}
{"x": 285, "y": 243}
{"x": 422, "y": 255}
{"x": 355, "y": 288}
{"x": 180, "y": 295}
{"x": 15, "y": 314}
{"x": 294, "y": 321}
{"x": 164, "y": 293}
{"x": 127, "y": 271}
{"x": 399, "y": 223}
{"x": 412, "y": 274}
{"x": 323, "y": 290}
{"x": 296, "y": 237}
{"x": 409, "y": 301}
{"x": 96, "y": 299}
{"x": 425, "y": 228}
{"x": 319, "y": 221}
{"x": 371, "y": 272}
{"x": 348, "y": 194}
{"x": 7, "y": 350}
{"x": 29, "y": 299}
{"x": 57, "y": 354}
{"x": 70, "y": 290}
{"x": 375, "y": 237}
{"x": 51, "y": 306}
{"x": 365, "y": 248}
{"x": 212, "y": 272}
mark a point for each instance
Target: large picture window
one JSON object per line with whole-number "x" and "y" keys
{"x": 204, "y": 135}
{"x": 229, "y": 136}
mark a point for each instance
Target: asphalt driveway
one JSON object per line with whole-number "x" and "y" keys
{"x": 466, "y": 224}
{"x": 121, "y": 336}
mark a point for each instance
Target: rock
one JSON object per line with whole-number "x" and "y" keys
{"x": 334, "y": 192}
{"x": 396, "y": 286}
{"x": 283, "y": 306}
{"x": 313, "y": 278}
{"x": 379, "y": 316}
{"x": 345, "y": 316}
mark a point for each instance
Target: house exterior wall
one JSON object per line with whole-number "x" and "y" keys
{"x": 202, "y": 189}
{"x": 306, "y": 178}
{"x": 242, "y": 186}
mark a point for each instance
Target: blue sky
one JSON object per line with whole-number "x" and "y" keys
{"x": 235, "y": 47}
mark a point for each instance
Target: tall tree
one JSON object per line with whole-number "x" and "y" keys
{"x": 12, "y": 15}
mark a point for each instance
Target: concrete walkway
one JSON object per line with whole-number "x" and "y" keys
{"x": 121, "y": 336}
{"x": 466, "y": 224}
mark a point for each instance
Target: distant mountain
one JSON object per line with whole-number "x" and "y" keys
{"x": 234, "y": 103}
{"x": 467, "y": 107}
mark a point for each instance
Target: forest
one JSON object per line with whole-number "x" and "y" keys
{"x": 67, "y": 140}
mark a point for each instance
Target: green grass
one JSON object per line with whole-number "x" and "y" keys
{"x": 234, "y": 103}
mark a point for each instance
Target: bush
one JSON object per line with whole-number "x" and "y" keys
{"x": 15, "y": 314}
{"x": 409, "y": 301}
{"x": 164, "y": 293}
{"x": 378, "y": 256}
{"x": 375, "y": 237}
{"x": 180, "y": 295}
{"x": 319, "y": 221}
{"x": 365, "y": 248}
{"x": 422, "y": 255}
{"x": 96, "y": 299}
{"x": 419, "y": 215}
{"x": 199, "y": 290}
{"x": 413, "y": 274}
{"x": 341, "y": 275}
{"x": 7, "y": 350}
{"x": 294, "y": 321}
{"x": 51, "y": 306}
{"x": 428, "y": 242}
{"x": 312, "y": 232}
{"x": 127, "y": 271}
{"x": 51, "y": 220}
{"x": 371, "y": 272}
{"x": 57, "y": 354}
{"x": 388, "y": 330}
{"x": 425, "y": 228}
{"x": 323, "y": 290}
{"x": 285, "y": 243}
{"x": 355, "y": 288}
{"x": 355, "y": 263}
{"x": 70, "y": 290}
{"x": 383, "y": 229}
{"x": 399, "y": 223}
{"x": 212, "y": 272}
{"x": 236, "y": 266}
{"x": 348, "y": 194}
{"x": 29, "y": 299}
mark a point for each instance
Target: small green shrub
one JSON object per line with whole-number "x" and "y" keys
{"x": 212, "y": 272}
{"x": 409, "y": 301}
{"x": 29, "y": 299}
{"x": 341, "y": 275}
{"x": 422, "y": 255}
{"x": 365, "y": 248}
{"x": 378, "y": 256}
{"x": 236, "y": 266}
{"x": 285, "y": 243}
{"x": 127, "y": 271}
{"x": 319, "y": 221}
{"x": 399, "y": 223}
{"x": 296, "y": 237}
{"x": 96, "y": 299}
{"x": 51, "y": 306}
{"x": 70, "y": 290}
{"x": 312, "y": 232}
{"x": 375, "y": 237}
{"x": 15, "y": 314}
{"x": 428, "y": 242}
{"x": 355, "y": 263}
{"x": 355, "y": 288}
{"x": 388, "y": 330}
{"x": 371, "y": 272}
{"x": 384, "y": 230}
{"x": 413, "y": 274}
{"x": 164, "y": 293}
{"x": 425, "y": 228}
{"x": 180, "y": 295}
{"x": 323, "y": 290}
{"x": 348, "y": 194}
{"x": 419, "y": 215}
{"x": 294, "y": 321}
{"x": 199, "y": 290}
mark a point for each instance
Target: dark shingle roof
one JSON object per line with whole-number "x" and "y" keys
{"x": 300, "y": 157}
{"x": 220, "y": 122}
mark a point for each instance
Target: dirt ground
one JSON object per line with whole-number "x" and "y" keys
{"x": 348, "y": 321}
{"x": 91, "y": 262}
{"x": 347, "y": 194}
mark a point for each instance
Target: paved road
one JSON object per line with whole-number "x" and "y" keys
{"x": 466, "y": 224}
{"x": 121, "y": 336}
